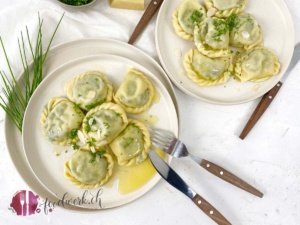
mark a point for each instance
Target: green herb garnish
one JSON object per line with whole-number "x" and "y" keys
{"x": 127, "y": 141}
{"x": 75, "y": 147}
{"x": 76, "y": 2}
{"x": 94, "y": 104}
{"x": 17, "y": 94}
{"x": 73, "y": 133}
{"x": 232, "y": 21}
{"x": 195, "y": 17}
{"x": 106, "y": 125}
{"x": 94, "y": 155}
{"x": 221, "y": 28}
{"x": 88, "y": 127}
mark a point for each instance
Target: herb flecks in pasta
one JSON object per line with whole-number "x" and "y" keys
{"x": 89, "y": 170}
{"x": 207, "y": 71}
{"x": 60, "y": 118}
{"x": 89, "y": 90}
{"x": 136, "y": 92}
{"x": 244, "y": 31}
{"x": 232, "y": 21}
{"x": 196, "y": 17}
{"x": 221, "y": 29}
{"x": 101, "y": 125}
{"x": 188, "y": 14}
{"x": 256, "y": 65}
{"x": 132, "y": 145}
{"x": 211, "y": 37}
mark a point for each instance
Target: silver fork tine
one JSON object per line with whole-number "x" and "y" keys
{"x": 159, "y": 142}
{"x": 161, "y": 139}
{"x": 161, "y": 133}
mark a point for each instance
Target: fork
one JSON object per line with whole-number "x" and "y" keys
{"x": 176, "y": 148}
{"x": 22, "y": 201}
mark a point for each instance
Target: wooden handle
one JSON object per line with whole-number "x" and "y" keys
{"x": 148, "y": 14}
{"x": 209, "y": 210}
{"x": 260, "y": 109}
{"x": 229, "y": 177}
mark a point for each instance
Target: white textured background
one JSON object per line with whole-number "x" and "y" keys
{"x": 268, "y": 158}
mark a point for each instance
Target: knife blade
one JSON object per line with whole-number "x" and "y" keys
{"x": 148, "y": 14}
{"x": 270, "y": 95}
{"x": 176, "y": 181}
{"x": 27, "y": 203}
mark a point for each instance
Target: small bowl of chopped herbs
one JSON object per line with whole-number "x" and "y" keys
{"x": 77, "y": 3}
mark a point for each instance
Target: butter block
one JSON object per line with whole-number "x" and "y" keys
{"x": 128, "y": 4}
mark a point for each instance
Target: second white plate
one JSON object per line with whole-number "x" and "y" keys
{"x": 278, "y": 30}
{"x": 47, "y": 167}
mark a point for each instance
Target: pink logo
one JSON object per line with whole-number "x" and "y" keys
{"x": 25, "y": 203}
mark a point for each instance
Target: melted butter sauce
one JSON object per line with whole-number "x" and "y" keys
{"x": 147, "y": 118}
{"x": 156, "y": 97}
{"x": 131, "y": 178}
{"x": 58, "y": 150}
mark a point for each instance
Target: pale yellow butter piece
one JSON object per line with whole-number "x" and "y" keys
{"x": 128, "y": 4}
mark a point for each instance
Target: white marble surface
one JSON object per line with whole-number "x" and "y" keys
{"x": 268, "y": 158}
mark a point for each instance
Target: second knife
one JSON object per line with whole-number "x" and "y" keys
{"x": 176, "y": 181}
{"x": 148, "y": 14}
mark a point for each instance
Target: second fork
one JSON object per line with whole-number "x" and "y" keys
{"x": 174, "y": 147}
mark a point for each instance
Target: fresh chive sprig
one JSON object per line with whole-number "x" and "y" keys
{"x": 18, "y": 93}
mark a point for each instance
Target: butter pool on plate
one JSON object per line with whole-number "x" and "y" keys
{"x": 127, "y": 4}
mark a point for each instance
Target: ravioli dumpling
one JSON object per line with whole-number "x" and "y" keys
{"x": 136, "y": 92}
{"x": 89, "y": 170}
{"x": 132, "y": 145}
{"x": 187, "y": 14}
{"x": 257, "y": 64}
{"x": 244, "y": 31}
{"x": 224, "y": 8}
{"x": 60, "y": 119}
{"x": 103, "y": 123}
{"x": 211, "y": 37}
{"x": 207, "y": 71}
{"x": 89, "y": 90}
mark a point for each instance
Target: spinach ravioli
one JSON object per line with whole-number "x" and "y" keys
{"x": 187, "y": 14}
{"x": 257, "y": 64}
{"x": 211, "y": 37}
{"x": 245, "y": 31}
{"x": 224, "y": 8}
{"x": 60, "y": 118}
{"x": 89, "y": 90}
{"x": 103, "y": 123}
{"x": 136, "y": 92}
{"x": 132, "y": 145}
{"x": 207, "y": 71}
{"x": 89, "y": 170}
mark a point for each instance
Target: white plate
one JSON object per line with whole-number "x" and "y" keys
{"x": 48, "y": 167}
{"x": 278, "y": 31}
{"x": 57, "y": 56}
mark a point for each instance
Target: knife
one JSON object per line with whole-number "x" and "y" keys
{"x": 270, "y": 95}
{"x": 176, "y": 181}
{"x": 148, "y": 14}
{"x": 27, "y": 203}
